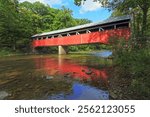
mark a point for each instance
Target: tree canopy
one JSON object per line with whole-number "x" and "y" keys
{"x": 139, "y": 9}
{"x": 19, "y": 21}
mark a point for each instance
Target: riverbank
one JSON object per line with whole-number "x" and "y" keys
{"x": 121, "y": 86}
{"x": 8, "y": 52}
{"x": 130, "y": 75}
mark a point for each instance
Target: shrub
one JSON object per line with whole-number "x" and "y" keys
{"x": 133, "y": 59}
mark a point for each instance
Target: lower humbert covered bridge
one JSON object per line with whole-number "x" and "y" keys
{"x": 90, "y": 33}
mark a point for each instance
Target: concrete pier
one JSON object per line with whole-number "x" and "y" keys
{"x": 62, "y": 50}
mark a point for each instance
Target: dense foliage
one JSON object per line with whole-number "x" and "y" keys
{"x": 19, "y": 21}
{"x": 138, "y": 9}
{"x": 132, "y": 63}
{"x": 133, "y": 57}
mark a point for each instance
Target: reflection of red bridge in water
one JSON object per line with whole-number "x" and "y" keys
{"x": 64, "y": 67}
{"x": 84, "y": 34}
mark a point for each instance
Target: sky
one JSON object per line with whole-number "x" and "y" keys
{"x": 88, "y": 10}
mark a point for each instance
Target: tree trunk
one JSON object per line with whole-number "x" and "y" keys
{"x": 144, "y": 23}
{"x": 134, "y": 29}
{"x": 14, "y": 45}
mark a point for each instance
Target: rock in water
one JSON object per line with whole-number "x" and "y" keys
{"x": 3, "y": 94}
{"x": 89, "y": 72}
{"x": 49, "y": 77}
{"x": 113, "y": 95}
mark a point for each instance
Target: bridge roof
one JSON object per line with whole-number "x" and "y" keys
{"x": 112, "y": 20}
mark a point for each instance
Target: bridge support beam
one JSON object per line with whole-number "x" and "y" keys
{"x": 62, "y": 50}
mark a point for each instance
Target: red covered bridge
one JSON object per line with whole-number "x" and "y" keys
{"x": 99, "y": 32}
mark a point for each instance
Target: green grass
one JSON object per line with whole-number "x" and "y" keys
{"x": 8, "y": 52}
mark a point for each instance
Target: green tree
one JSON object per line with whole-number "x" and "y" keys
{"x": 82, "y": 21}
{"x": 63, "y": 19}
{"x": 9, "y": 20}
{"x": 40, "y": 8}
{"x": 19, "y": 21}
{"x": 127, "y": 6}
{"x": 134, "y": 7}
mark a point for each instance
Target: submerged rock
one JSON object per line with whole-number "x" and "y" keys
{"x": 113, "y": 95}
{"x": 3, "y": 94}
{"x": 49, "y": 77}
{"x": 26, "y": 85}
{"x": 68, "y": 75}
{"x": 89, "y": 72}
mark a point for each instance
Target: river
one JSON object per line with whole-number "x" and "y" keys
{"x": 53, "y": 77}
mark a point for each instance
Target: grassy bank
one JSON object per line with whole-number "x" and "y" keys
{"x": 9, "y": 52}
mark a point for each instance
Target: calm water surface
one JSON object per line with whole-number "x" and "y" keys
{"x": 68, "y": 77}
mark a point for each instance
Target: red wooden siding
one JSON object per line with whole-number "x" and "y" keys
{"x": 93, "y": 37}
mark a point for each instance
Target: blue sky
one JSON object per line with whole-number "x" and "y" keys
{"x": 89, "y": 10}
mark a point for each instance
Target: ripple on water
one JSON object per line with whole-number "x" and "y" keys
{"x": 103, "y": 54}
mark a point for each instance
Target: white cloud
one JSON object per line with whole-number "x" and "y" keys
{"x": 54, "y": 2}
{"x": 89, "y": 5}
